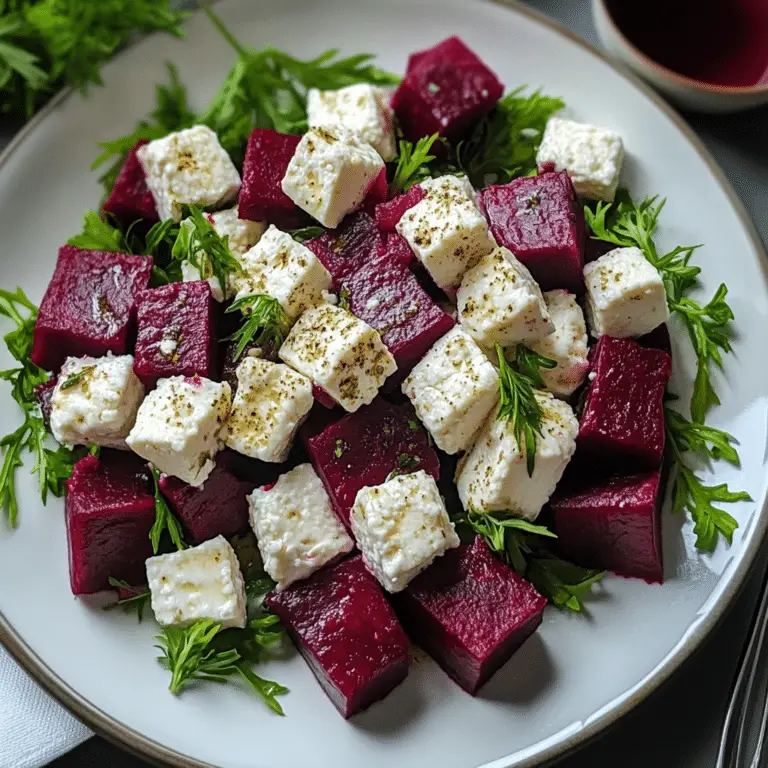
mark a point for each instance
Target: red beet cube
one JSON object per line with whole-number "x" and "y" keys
{"x": 377, "y": 194}
{"x": 470, "y": 612}
{"x": 395, "y": 248}
{"x": 130, "y": 198}
{"x": 622, "y": 424}
{"x": 390, "y": 212}
{"x": 176, "y": 332}
{"x": 613, "y": 524}
{"x": 109, "y": 512}
{"x": 364, "y": 447}
{"x": 43, "y": 395}
{"x": 540, "y": 220}
{"x": 447, "y": 90}
{"x": 658, "y": 338}
{"x": 347, "y": 632}
{"x": 261, "y": 194}
{"x": 89, "y": 307}
{"x": 218, "y": 507}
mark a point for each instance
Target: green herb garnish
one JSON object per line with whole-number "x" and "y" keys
{"x": 412, "y": 164}
{"x": 165, "y": 520}
{"x": 303, "y": 234}
{"x": 137, "y": 603}
{"x": 76, "y": 377}
{"x": 339, "y": 448}
{"x": 265, "y": 322}
{"x": 344, "y": 298}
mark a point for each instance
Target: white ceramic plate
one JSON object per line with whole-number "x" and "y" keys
{"x": 578, "y": 673}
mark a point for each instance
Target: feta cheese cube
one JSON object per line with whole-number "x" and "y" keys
{"x": 499, "y": 302}
{"x": 295, "y": 526}
{"x": 340, "y": 353}
{"x": 270, "y": 404}
{"x": 625, "y": 295}
{"x": 191, "y": 274}
{"x": 178, "y": 426}
{"x": 284, "y": 269}
{"x": 241, "y": 234}
{"x": 330, "y": 173}
{"x": 202, "y": 582}
{"x": 95, "y": 400}
{"x": 446, "y": 230}
{"x": 567, "y": 345}
{"x": 400, "y": 527}
{"x": 592, "y": 156}
{"x": 362, "y": 109}
{"x": 453, "y": 388}
{"x": 493, "y": 476}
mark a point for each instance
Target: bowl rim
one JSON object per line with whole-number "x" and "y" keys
{"x": 670, "y": 74}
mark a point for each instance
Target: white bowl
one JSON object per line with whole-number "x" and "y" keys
{"x": 684, "y": 91}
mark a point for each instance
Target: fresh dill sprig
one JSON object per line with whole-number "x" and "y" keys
{"x": 264, "y": 322}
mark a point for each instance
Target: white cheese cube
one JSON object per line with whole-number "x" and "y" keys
{"x": 296, "y": 528}
{"x": 178, "y": 426}
{"x": 270, "y": 404}
{"x": 499, "y": 302}
{"x": 202, "y": 582}
{"x": 362, "y": 109}
{"x": 241, "y": 234}
{"x": 401, "y": 526}
{"x": 453, "y": 388}
{"x": 330, "y": 174}
{"x": 592, "y": 156}
{"x": 567, "y": 345}
{"x": 95, "y": 401}
{"x": 341, "y": 353}
{"x": 284, "y": 269}
{"x": 625, "y": 295}
{"x": 191, "y": 274}
{"x": 446, "y": 230}
{"x": 493, "y": 476}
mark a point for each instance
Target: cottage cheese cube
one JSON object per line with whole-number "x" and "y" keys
{"x": 95, "y": 401}
{"x": 178, "y": 426}
{"x": 284, "y": 269}
{"x": 330, "y": 173}
{"x": 296, "y": 528}
{"x": 202, "y": 582}
{"x": 188, "y": 167}
{"x": 400, "y": 527}
{"x": 362, "y": 109}
{"x": 493, "y": 476}
{"x": 341, "y": 353}
{"x": 567, "y": 345}
{"x": 625, "y": 295}
{"x": 499, "y": 302}
{"x": 241, "y": 234}
{"x": 453, "y": 389}
{"x": 446, "y": 230}
{"x": 592, "y": 156}
{"x": 270, "y": 404}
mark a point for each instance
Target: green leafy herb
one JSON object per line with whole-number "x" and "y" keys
{"x": 344, "y": 298}
{"x": 530, "y": 363}
{"x": 257, "y": 582}
{"x": 100, "y": 235}
{"x": 265, "y": 322}
{"x": 76, "y": 377}
{"x": 339, "y": 448}
{"x": 412, "y": 164}
{"x": 505, "y": 143}
{"x": 406, "y": 461}
{"x": 303, "y": 234}
{"x": 165, "y": 520}
{"x": 137, "y": 602}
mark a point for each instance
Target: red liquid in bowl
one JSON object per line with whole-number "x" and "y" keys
{"x": 723, "y": 42}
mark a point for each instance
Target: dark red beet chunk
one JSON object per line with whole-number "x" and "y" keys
{"x": 43, "y": 394}
{"x": 109, "y": 512}
{"x": 89, "y": 307}
{"x": 364, "y": 447}
{"x": 347, "y": 632}
{"x": 613, "y": 525}
{"x": 181, "y": 315}
{"x": 130, "y": 198}
{"x": 389, "y": 214}
{"x": 323, "y": 397}
{"x": 447, "y": 91}
{"x": 229, "y": 366}
{"x": 658, "y": 338}
{"x": 539, "y": 219}
{"x": 622, "y": 425}
{"x": 377, "y": 194}
{"x": 470, "y": 612}
{"x": 261, "y": 194}
{"x": 395, "y": 248}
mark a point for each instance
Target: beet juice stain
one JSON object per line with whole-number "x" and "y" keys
{"x": 723, "y": 42}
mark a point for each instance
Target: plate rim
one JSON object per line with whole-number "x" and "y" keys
{"x": 148, "y": 749}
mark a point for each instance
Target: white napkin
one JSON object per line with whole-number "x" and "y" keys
{"x": 34, "y": 729}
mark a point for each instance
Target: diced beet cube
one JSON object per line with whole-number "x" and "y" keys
{"x": 377, "y": 194}
{"x": 622, "y": 424}
{"x": 43, "y": 394}
{"x": 323, "y": 397}
{"x": 613, "y": 524}
{"x": 229, "y": 366}
{"x": 540, "y": 220}
{"x": 261, "y": 194}
{"x": 395, "y": 248}
{"x": 89, "y": 307}
{"x": 347, "y": 632}
{"x": 594, "y": 249}
{"x": 470, "y": 612}
{"x": 364, "y": 447}
{"x": 388, "y": 214}
{"x": 130, "y": 198}
{"x": 218, "y": 507}
{"x": 447, "y": 91}
{"x": 175, "y": 332}
{"x": 658, "y": 338}
{"x": 344, "y": 250}
{"x": 109, "y": 512}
